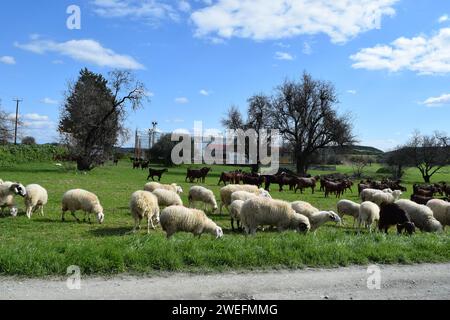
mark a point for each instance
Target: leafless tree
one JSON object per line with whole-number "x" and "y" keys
{"x": 428, "y": 153}
{"x": 305, "y": 114}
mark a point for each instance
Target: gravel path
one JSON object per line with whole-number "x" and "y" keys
{"x": 425, "y": 281}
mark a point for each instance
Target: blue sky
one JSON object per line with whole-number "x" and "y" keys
{"x": 389, "y": 59}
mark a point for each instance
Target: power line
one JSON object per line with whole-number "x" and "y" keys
{"x": 17, "y": 119}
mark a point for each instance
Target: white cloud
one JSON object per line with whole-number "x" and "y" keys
{"x": 35, "y": 117}
{"x": 283, "y": 45}
{"x": 204, "y": 92}
{"x": 184, "y": 6}
{"x": 7, "y": 60}
{"x": 84, "y": 50}
{"x": 351, "y": 91}
{"x": 341, "y": 20}
{"x": 49, "y": 101}
{"x": 307, "y": 49}
{"x": 437, "y": 101}
{"x": 443, "y": 18}
{"x": 182, "y": 100}
{"x": 422, "y": 54}
{"x": 150, "y": 11}
{"x": 283, "y": 56}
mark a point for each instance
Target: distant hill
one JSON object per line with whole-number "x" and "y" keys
{"x": 357, "y": 150}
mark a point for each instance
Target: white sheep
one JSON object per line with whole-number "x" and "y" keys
{"x": 152, "y": 186}
{"x": 36, "y": 198}
{"x": 383, "y": 197}
{"x": 167, "y": 198}
{"x": 201, "y": 194}
{"x": 144, "y": 204}
{"x": 317, "y": 219}
{"x": 235, "y": 212}
{"x": 441, "y": 211}
{"x": 226, "y": 192}
{"x": 304, "y": 208}
{"x": 262, "y": 211}
{"x": 367, "y": 194}
{"x": 180, "y": 219}
{"x": 8, "y": 190}
{"x": 369, "y": 214}
{"x": 348, "y": 207}
{"x": 421, "y": 215}
{"x": 78, "y": 199}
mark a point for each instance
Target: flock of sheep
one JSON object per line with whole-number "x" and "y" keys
{"x": 250, "y": 206}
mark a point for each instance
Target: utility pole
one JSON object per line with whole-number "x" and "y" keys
{"x": 17, "y": 119}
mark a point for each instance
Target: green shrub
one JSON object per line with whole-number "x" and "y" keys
{"x": 11, "y": 154}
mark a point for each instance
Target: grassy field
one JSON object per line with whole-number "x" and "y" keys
{"x": 46, "y": 246}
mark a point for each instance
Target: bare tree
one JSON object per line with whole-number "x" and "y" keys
{"x": 6, "y": 127}
{"x": 258, "y": 118}
{"x": 428, "y": 153}
{"x": 304, "y": 113}
{"x": 233, "y": 120}
{"x": 92, "y": 117}
{"x": 359, "y": 164}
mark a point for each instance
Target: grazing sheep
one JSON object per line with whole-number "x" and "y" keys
{"x": 392, "y": 214}
{"x": 347, "y": 207}
{"x": 244, "y": 195}
{"x": 180, "y": 219}
{"x": 421, "y": 215}
{"x": 317, "y": 219}
{"x": 152, "y": 186}
{"x": 35, "y": 199}
{"x": 441, "y": 211}
{"x": 226, "y": 192}
{"x": 369, "y": 213}
{"x": 383, "y": 197}
{"x": 144, "y": 204}
{"x": 235, "y": 212}
{"x": 167, "y": 198}
{"x": 304, "y": 208}
{"x": 263, "y": 211}
{"x": 367, "y": 194}
{"x": 201, "y": 194}
{"x": 8, "y": 190}
{"x": 78, "y": 199}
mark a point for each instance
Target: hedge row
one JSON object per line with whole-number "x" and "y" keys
{"x": 29, "y": 153}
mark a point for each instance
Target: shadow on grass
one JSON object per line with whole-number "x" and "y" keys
{"x": 111, "y": 232}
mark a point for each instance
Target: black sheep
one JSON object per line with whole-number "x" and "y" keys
{"x": 391, "y": 214}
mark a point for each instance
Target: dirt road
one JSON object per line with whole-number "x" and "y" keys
{"x": 426, "y": 281}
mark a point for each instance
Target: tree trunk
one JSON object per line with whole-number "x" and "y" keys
{"x": 301, "y": 166}
{"x": 84, "y": 164}
{"x": 426, "y": 178}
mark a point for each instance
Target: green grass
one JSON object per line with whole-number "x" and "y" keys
{"x": 46, "y": 246}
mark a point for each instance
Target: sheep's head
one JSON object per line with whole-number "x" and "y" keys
{"x": 264, "y": 193}
{"x": 100, "y": 214}
{"x": 219, "y": 232}
{"x": 334, "y": 217}
{"x": 396, "y": 194}
{"x": 18, "y": 189}
{"x": 410, "y": 227}
{"x": 14, "y": 212}
{"x": 179, "y": 189}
